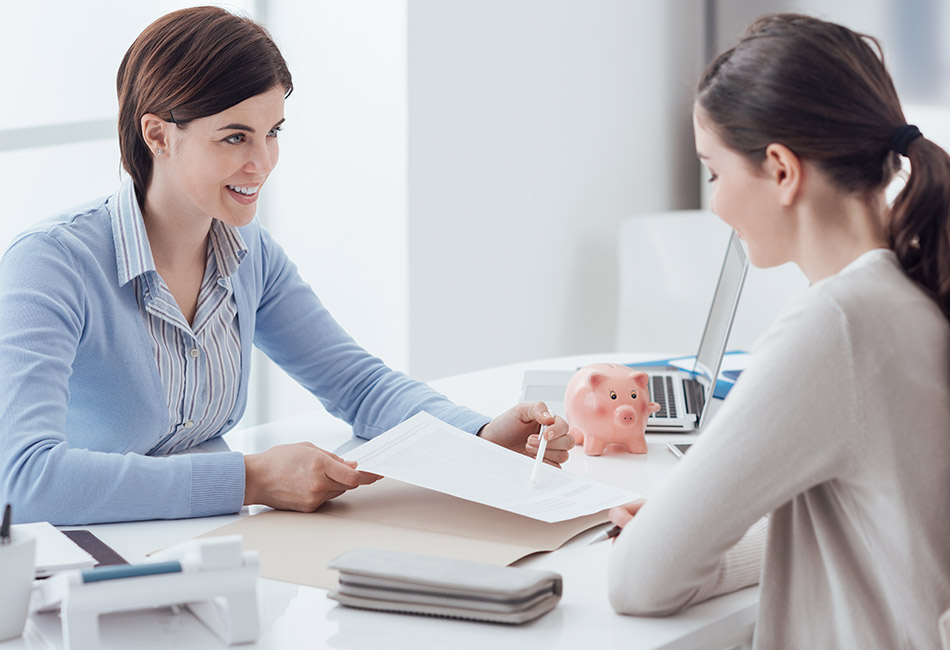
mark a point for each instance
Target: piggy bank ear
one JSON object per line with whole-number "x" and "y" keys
{"x": 641, "y": 379}
{"x": 595, "y": 379}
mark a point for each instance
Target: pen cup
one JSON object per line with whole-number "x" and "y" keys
{"x": 16, "y": 582}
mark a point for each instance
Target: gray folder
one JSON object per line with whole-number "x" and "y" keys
{"x": 393, "y": 581}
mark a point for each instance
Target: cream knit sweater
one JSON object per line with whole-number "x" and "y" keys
{"x": 841, "y": 430}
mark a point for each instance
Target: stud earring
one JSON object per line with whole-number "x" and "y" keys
{"x": 159, "y": 152}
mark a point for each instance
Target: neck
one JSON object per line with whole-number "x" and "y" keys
{"x": 836, "y": 229}
{"x": 177, "y": 237}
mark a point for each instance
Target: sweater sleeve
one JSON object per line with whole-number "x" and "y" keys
{"x": 298, "y": 333}
{"x": 44, "y": 309}
{"x": 787, "y": 425}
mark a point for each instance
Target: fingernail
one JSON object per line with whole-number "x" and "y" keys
{"x": 546, "y": 414}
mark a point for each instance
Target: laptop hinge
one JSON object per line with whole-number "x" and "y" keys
{"x": 695, "y": 396}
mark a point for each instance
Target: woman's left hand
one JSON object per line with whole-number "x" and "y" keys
{"x": 517, "y": 429}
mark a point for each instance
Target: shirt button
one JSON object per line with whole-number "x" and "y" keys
{"x": 189, "y": 424}
{"x": 194, "y": 353}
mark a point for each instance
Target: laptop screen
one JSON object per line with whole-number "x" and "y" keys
{"x": 725, "y": 301}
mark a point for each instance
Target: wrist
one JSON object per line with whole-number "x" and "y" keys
{"x": 250, "y": 480}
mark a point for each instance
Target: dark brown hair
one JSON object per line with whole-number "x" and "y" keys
{"x": 190, "y": 64}
{"x": 823, "y": 91}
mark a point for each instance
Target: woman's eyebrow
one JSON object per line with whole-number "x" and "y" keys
{"x": 237, "y": 127}
{"x": 244, "y": 127}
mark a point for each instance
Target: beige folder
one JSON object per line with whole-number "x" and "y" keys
{"x": 296, "y": 547}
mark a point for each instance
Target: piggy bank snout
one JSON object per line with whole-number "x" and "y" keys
{"x": 625, "y": 416}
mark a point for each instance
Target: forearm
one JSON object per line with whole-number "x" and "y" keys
{"x": 657, "y": 594}
{"x": 78, "y": 487}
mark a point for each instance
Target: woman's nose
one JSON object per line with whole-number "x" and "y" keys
{"x": 263, "y": 157}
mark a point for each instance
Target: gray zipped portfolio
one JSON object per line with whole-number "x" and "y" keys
{"x": 393, "y": 581}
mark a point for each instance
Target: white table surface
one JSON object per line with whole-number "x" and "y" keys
{"x": 295, "y": 616}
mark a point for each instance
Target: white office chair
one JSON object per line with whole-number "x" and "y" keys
{"x": 668, "y": 264}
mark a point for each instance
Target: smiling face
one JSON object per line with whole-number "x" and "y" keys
{"x": 744, "y": 197}
{"x": 215, "y": 166}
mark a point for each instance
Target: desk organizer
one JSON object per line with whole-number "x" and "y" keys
{"x": 213, "y": 578}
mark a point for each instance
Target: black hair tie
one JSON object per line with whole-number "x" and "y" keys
{"x": 902, "y": 138}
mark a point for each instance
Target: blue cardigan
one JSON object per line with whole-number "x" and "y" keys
{"x": 81, "y": 401}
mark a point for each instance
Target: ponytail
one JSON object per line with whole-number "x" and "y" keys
{"x": 919, "y": 227}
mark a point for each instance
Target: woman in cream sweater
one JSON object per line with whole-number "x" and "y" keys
{"x": 826, "y": 474}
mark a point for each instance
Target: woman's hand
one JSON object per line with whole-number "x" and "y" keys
{"x": 621, "y": 515}
{"x": 518, "y": 427}
{"x": 299, "y": 477}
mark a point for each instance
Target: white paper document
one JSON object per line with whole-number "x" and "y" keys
{"x": 427, "y": 452}
{"x": 54, "y": 551}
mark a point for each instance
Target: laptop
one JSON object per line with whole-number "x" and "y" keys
{"x": 683, "y": 395}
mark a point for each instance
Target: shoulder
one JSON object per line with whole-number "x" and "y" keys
{"x": 68, "y": 253}
{"x": 880, "y": 304}
{"x": 813, "y": 315}
{"x": 87, "y": 226}
{"x": 871, "y": 297}
{"x": 876, "y": 276}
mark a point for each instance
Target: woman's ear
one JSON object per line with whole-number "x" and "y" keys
{"x": 154, "y": 132}
{"x": 784, "y": 168}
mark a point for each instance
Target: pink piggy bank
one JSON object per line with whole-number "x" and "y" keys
{"x": 609, "y": 403}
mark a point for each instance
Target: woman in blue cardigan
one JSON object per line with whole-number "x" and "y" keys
{"x": 126, "y": 325}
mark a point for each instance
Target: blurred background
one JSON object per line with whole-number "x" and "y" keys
{"x": 453, "y": 172}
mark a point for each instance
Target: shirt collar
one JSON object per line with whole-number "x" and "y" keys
{"x": 229, "y": 247}
{"x": 134, "y": 255}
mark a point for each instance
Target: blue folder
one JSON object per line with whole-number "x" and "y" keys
{"x": 723, "y": 384}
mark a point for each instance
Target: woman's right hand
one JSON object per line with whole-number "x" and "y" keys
{"x": 300, "y": 476}
{"x": 621, "y": 515}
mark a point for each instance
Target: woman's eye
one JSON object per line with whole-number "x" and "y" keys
{"x": 613, "y": 395}
{"x": 273, "y": 132}
{"x": 237, "y": 138}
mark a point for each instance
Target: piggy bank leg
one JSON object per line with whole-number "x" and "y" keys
{"x": 577, "y": 434}
{"x": 637, "y": 446}
{"x": 593, "y": 446}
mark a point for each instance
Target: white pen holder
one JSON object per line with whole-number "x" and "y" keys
{"x": 17, "y": 559}
{"x": 212, "y": 577}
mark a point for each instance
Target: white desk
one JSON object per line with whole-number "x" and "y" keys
{"x": 303, "y": 617}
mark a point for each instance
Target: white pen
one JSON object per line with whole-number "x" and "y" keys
{"x": 539, "y": 459}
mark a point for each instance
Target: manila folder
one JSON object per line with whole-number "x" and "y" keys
{"x": 297, "y": 547}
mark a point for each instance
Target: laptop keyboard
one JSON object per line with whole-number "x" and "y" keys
{"x": 661, "y": 392}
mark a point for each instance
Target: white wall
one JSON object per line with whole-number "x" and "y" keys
{"x": 337, "y": 200}
{"x": 534, "y": 128}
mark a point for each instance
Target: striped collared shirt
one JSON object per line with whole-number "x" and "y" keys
{"x": 200, "y": 363}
